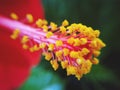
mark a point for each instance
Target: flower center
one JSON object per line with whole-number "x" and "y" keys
{"x": 75, "y": 46}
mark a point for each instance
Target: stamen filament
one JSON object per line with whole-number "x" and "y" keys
{"x": 75, "y": 47}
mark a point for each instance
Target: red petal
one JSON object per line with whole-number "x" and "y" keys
{"x": 15, "y": 63}
{"x": 22, "y": 7}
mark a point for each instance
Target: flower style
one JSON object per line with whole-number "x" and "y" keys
{"x": 76, "y": 46}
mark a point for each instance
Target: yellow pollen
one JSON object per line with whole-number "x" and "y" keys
{"x": 51, "y": 47}
{"x": 74, "y": 54}
{"x": 14, "y": 16}
{"x": 54, "y": 64}
{"x": 15, "y": 34}
{"x": 96, "y": 53}
{"x": 59, "y": 43}
{"x": 49, "y": 34}
{"x": 31, "y": 49}
{"x": 70, "y": 30}
{"x": 39, "y": 23}
{"x": 64, "y": 64}
{"x": 29, "y": 17}
{"x": 48, "y": 56}
{"x": 77, "y": 42}
{"x": 80, "y": 60}
{"x": 79, "y": 75}
{"x": 97, "y": 33}
{"x": 25, "y": 46}
{"x": 36, "y": 48}
{"x": 59, "y": 53}
{"x": 45, "y": 28}
{"x": 63, "y": 29}
{"x": 65, "y": 23}
{"x": 66, "y": 51}
{"x": 45, "y": 22}
{"x": 73, "y": 27}
{"x": 42, "y": 45}
{"x": 86, "y": 67}
{"x": 24, "y": 39}
{"x": 53, "y": 26}
{"x": 71, "y": 70}
{"x": 93, "y": 43}
{"x": 97, "y": 44}
{"x": 84, "y": 51}
{"x": 83, "y": 41}
{"x": 100, "y": 43}
{"x": 70, "y": 41}
{"x": 95, "y": 61}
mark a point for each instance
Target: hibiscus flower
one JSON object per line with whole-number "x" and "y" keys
{"x": 76, "y": 46}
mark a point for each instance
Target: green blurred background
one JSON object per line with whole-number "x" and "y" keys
{"x": 99, "y": 14}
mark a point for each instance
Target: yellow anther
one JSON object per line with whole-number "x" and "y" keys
{"x": 65, "y": 23}
{"x": 74, "y": 35}
{"x": 45, "y": 28}
{"x": 59, "y": 53}
{"x": 31, "y": 49}
{"x": 49, "y": 34}
{"x": 70, "y": 30}
{"x": 77, "y": 42}
{"x": 71, "y": 70}
{"x": 29, "y": 17}
{"x": 15, "y": 34}
{"x": 24, "y": 39}
{"x": 64, "y": 64}
{"x": 42, "y": 45}
{"x": 66, "y": 51}
{"x": 59, "y": 43}
{"x": 95, "y": 61}
{"x": 78, "y": 75}
{"x": 74, "y": 27}
{"x": 53, "y": 26}
{"x": 54, "y": 64}
{"x": 63, "y": 29}
{"x": 16, "y": 31}
{"x": 97, "y": 33}
{"x": 48, "y": 56}
{"x": 100, "y": 43}
{"x": 82, "y": 28}
{"x": 96, "y": 53}
{"x": 45, "y": 22}
{"x": 83, "y": 41}
{"x": 14, "y": 16}
{"x": 36, "y": 48}
{"x": 39, "y": 23}
{"x": 97, "y": 44}
{"x": 93, "y": 44}
{"x": 70, "y": 41}
{"x": 84, "y": 51}
{"x": 74, "y": 54}
{"x": 86, "y": 67}
{"x": 50, "y": 47}
{"x": 87, "y": 31}
{"x": 80, "y": 60}
{"x": 25, "y": 46}
{"x": 90, "y": 34}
